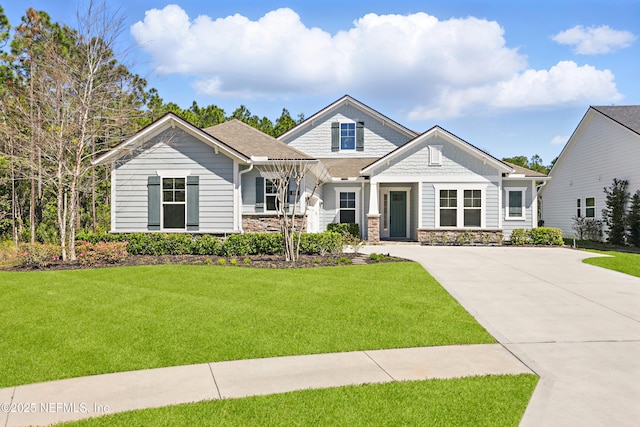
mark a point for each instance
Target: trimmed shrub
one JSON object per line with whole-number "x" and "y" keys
{"x": 89, "y": 254}
{"x": 325, "y": 243}
{"x": 546, "y": 236}
{"x": 38, "y": 255}
{"x": 206, "y": 244}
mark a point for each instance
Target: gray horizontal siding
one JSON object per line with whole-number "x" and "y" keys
{"x": 175, "y": 150}
{"x": 508, "y": 225}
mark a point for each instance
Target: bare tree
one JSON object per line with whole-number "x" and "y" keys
{"x": 295, "y": 181}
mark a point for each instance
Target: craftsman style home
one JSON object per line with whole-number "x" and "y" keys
{"x": 604, "y": 146}
{"x": 395, "y": 183}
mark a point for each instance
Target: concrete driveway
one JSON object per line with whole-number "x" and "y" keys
{"x": 576, "y": 325}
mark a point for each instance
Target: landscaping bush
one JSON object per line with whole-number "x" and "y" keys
{"x": 537, "y": 236}
{"x": 350, "y": 228}
{"x": 235, "y": 245}
{"x": 588, "y": 228}
{"x": 89, "y": 254}
{"x": 38, "y": 255}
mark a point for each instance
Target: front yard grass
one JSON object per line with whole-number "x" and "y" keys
{"x": 628, "y": 263}
{"x": 475, "y": 401}
{"x": 62, "y": 324}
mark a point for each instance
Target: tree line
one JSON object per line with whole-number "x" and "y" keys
{"x": 66, "y": 98}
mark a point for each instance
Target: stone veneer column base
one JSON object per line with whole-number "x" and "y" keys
{"x": 373, "y": 228}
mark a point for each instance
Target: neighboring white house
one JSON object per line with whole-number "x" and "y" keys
{"x": 393, "y": 182}
{"x": 604, "y": 146}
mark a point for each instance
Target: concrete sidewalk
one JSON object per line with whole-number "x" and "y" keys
{"x": 78, "y": 398}
{"x": 574, "y": 324}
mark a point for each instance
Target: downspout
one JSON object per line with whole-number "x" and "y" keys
{"x": 240, "y": 173}
{"x": 541, "y": 205}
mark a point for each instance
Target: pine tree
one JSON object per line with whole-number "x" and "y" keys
{"x": 633, "y": 220}
{"x": 614, "y": 214}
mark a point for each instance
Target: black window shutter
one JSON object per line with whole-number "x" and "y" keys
{"x": 259, "y": 194}
{"x": 153, "y": 203}
{"x": 193, "y": 203}
{"x": 360, "y": 136}
{"x": 335, "y": 136}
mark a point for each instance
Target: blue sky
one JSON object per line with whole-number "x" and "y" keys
{"x": 511, "y": 77}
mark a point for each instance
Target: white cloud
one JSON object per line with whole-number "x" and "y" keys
{"x": 595, "y": 40}
{"x": 559, "y": 140}
{"x": 436, "y": 68}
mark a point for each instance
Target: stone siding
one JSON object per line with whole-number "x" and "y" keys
{"x": 373, "y": 228}
{"x": 262, "y": 223}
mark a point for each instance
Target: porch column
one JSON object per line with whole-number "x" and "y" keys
{"x": 373, "y": 217}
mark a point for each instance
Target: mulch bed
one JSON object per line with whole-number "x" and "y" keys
{"x": 255, "y": 261}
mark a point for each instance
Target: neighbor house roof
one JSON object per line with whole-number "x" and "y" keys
{"x": 253, "y": 143}
{"x": 627, "y": 115}
{"x": 347, "y": 100}
{"x": 520, "y": 170}
{"x": 346, "y": 167}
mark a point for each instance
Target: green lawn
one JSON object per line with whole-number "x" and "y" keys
{"x": 61, "y": 324}
{"x": 619, "y": 261}
{"x": 475, "y": 401}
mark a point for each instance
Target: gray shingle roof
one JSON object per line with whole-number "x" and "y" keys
{"x": 251, "y": 142}
{"x": 524, "y": 171}
{"x": 346, "y": 167}
{"x": 626, "y": 115}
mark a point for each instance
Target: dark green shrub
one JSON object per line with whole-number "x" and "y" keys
{"x": 633, "y": 220}
{"x": 206, "y": 244}
{"x": 614, "y": 214}
{"x": 325, "y": 243}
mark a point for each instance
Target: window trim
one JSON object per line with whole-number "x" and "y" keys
{"x": 163, "y": 203}
{"x": 340, "y": 136}
{"x": 355, "y": 190}
{"x": 460, "y": 205}
{"x": 507, "y": 215}
{"x": 587, "y": 207}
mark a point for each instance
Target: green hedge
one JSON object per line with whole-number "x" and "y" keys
{"x": 205, "y": 244}
{"x": 546, "y": 236}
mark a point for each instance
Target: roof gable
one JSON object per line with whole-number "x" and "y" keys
{"x": 331, "y": 109}
{"x": 442, "y": 133}
{"x": 169, "y": 120}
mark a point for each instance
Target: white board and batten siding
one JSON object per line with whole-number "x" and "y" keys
{"x": 179, "y": 152}
{"x": 600, "y": 150}
{"x": 315, "y": 137}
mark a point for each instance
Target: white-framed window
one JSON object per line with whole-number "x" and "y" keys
{"x": 347, "y": 136}
{"x": 271, "y": 195}
{"x": 448, "y": 208}
{"x": 435, "y": 155}
{"x": 472, "y": 208}
{"x": 590, "y": 207}
{"x": 460, "y": 205}
{"x": 515, "y": 203}
{"x": 174, "y": 203}
{"x": 578, "y": 208}
{"x": 347, "y": 207}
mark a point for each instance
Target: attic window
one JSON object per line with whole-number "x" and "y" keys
{"x": 435, "y": 155}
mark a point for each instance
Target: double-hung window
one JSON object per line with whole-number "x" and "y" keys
{"x": 472, "y": 208}
{"x": 347, "y": 136}
{"x": 174, "y": 206}
{"x": 347, "y": 206}
{"x": 448, "y": 208}
{"x": 271, "y": 194}
{"x": 515, "y": 203}
{"x": 590, "y": 207}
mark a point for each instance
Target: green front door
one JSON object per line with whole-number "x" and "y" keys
{"x": 398, "y": 214}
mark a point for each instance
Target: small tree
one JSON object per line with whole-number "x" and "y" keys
{"x": 588, "y": 228}
{"x": 290, "y": 178}
{"x": 633, "y": 219}
{"x": 614, "y": 214}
